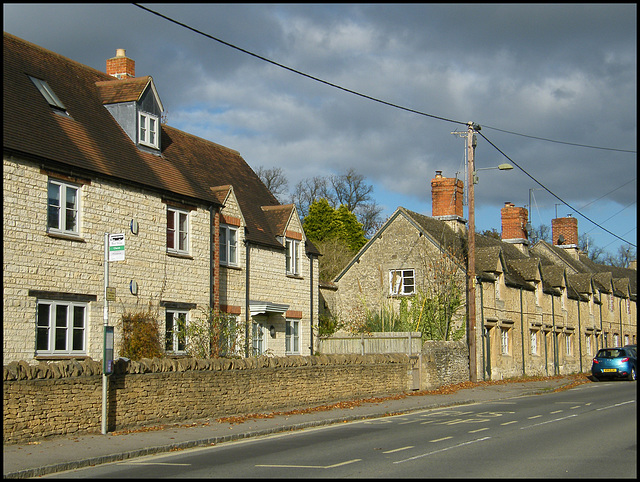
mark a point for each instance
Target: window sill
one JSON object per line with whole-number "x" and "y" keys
{"x": 61, "y": 357}
{"x": 179, "y": 255}
{"x": 294, "y": 276}
{"x": 68, "y": 237}
{"x": 231, "y": 266}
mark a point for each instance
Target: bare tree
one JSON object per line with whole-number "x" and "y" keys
{"x": 540, "y": 233}
{"x": 351, "y": 190}
{"x": 593, "y": 252}
{"x": 369, "y": 215}
{"x": 309, "y": 190}
{"x": 621, "y": 259}
{"x": 275, "y": 180}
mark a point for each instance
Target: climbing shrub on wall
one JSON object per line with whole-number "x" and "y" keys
{"x": 215, "y": 335}
{"x": 140, "y": 335}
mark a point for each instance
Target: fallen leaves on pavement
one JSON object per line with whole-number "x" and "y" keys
{"x": 574, "y": 380}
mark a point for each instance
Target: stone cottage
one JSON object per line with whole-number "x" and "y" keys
{"x": 540, "y": 310}
{"x": 85, "y": 154}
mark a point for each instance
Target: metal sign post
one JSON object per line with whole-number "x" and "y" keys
{"x": 105, "y": 380}
{"x": 113, "y": 251}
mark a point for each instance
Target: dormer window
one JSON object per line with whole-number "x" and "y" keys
{"x": 49, "y": 95}
{"x": 148, "y": 131}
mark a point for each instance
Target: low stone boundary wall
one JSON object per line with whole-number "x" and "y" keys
{"x": 444, "y": 363}
{"x": 61, "y": 398}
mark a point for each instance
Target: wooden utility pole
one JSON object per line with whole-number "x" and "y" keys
{"x": 471, "y": 255}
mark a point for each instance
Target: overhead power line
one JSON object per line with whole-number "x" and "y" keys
{"x": 559, "y": 142}
{"x": 553, "y": 194}
{"x": 299, "y": 72}
{"x": 403, "y": 108}
{"x": 365, "y": 96}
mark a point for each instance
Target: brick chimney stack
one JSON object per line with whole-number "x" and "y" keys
{"x": 446, "y": 196}
{"x": 446, "y": 201}
{"x": 514, "y": 222}
{"x": 514, "y": 226}
{"x": 565, "y": 231}
{"x": 120, "y": 66}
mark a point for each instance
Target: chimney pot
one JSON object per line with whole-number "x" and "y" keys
{"x": 120, "y": 66}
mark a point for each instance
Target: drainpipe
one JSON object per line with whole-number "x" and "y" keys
{"x": 484, "y": 332}
{"x": 554, "y": 338}
{"x": 246, "y": 291}
{"x": 621, "y": 336}
{"x": 311, "y": 304}
{"x": 601, "y": 333}
{"x": 212, "y": 257}
{"x": 546, "y": 355}
{"x": 522, "y": 332}
{"x": 579, "y": 334}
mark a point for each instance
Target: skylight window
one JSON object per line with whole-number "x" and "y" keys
{"x": 49, "y": 95}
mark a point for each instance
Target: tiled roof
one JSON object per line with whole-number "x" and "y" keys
{"x": 127, "y": 90}
{"x": 552, "y": 277}
{"x": 528, "y": 268}
{"x": 581, "y": 282}
{"x": 550, "y": 254}
{"x": 278, "y": 217}
{"x": 441, "y": 233}
{"x": 90, "y": 142}
{"x": 488, "y": 259}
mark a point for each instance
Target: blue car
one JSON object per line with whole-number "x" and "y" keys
{"x": 615, "y": 363}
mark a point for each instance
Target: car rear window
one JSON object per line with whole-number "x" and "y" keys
{"x": 610, "y": 353}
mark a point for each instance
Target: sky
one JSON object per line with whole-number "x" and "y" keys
{"x": 386, "y": 87}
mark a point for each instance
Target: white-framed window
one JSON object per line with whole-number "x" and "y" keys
{"x": 534, "y": 342}
{"x": 628, "y": 303}
{"x": 61, "y": 328}
{"x": 587, "y": 340}
{"x": 63, "y": 207}
{"x": 504, "y": 341}
{"x": 293, "y": 256}
{"x": 626, "y": 340}
{"x": 176, "y": 331}
{"x": 616, "y": 340}
{"x": 402, "y": 282}
{"x": 229, "y": 245}
{"x": 177, "y": 230}
{"x": 148, "y": 125}
{"x": 257, "y": 339}
{"x": 292, "y": 337}
{"x": 567, "y": 344}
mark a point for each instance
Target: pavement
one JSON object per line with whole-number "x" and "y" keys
{"x": 57, "y": 454}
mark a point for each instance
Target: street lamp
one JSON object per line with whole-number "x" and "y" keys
{"x": 471, "y": 255}
{"x": 502, "y": 167}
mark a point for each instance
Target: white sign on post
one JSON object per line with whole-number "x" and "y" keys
{"x": 116, "y": 247}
